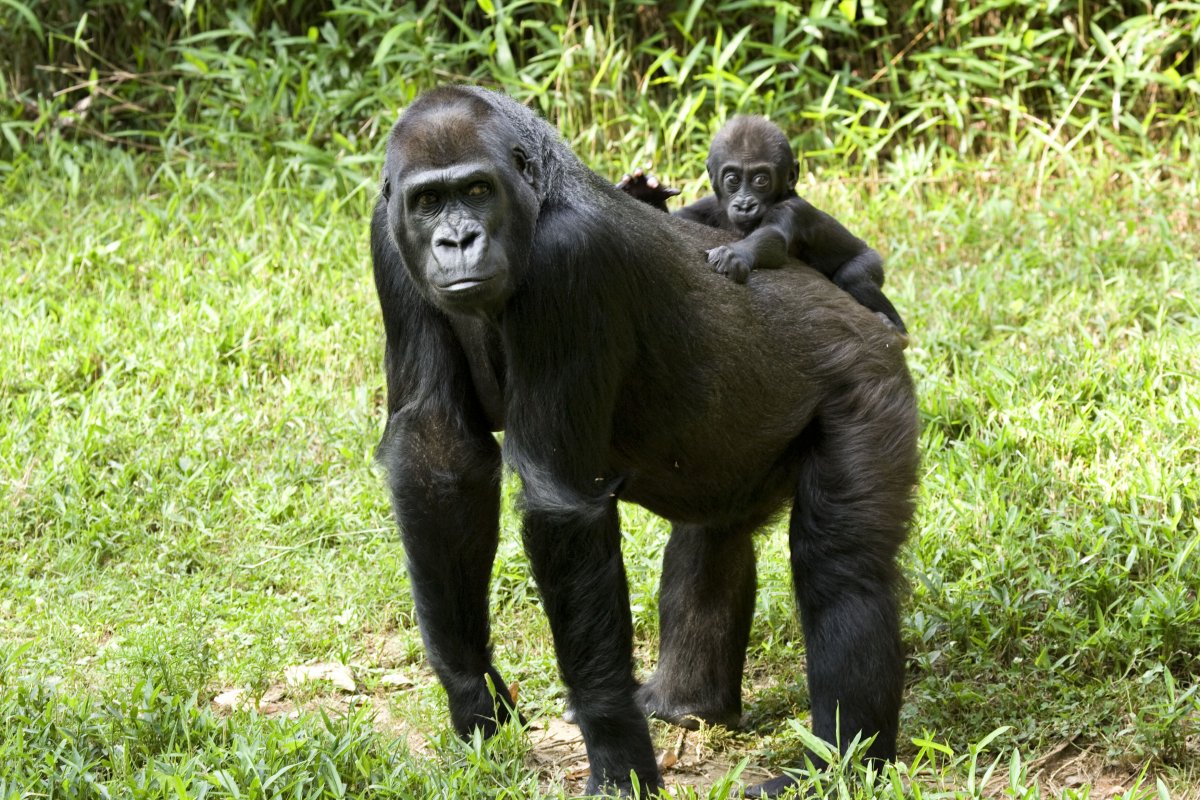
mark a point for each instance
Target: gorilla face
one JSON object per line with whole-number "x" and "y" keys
{"x": 751, "y": 167}
{"x": 461, "y": 205}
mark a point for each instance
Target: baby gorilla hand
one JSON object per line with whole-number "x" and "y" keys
{"x": 732, "y": 262}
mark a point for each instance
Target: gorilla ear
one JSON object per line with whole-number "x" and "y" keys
{"x": 386, "y": 188}
{"x": 526, "y": 165}
{"x": 794, "y": 175}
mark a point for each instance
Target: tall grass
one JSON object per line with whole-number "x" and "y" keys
{"x": 855, "y": 81}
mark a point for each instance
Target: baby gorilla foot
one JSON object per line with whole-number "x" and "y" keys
{"x": 729, "y": 261}
{"x": 646, "y": 188}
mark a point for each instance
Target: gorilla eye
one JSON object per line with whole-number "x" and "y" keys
{"x": 732, "y": 181}
{"x": 762, "y": 181}
{"x": 427, "y": 200}
{"x": 479, "y": 189}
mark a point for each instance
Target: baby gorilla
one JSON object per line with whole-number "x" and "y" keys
{"x": 754, "y": 172}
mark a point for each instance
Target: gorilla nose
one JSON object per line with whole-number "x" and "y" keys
{"x": 459, "y": 244}
{"x": 460, "y": 249}
{"x": 457, "y": 240}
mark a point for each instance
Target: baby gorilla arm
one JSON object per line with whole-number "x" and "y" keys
{"x": 765, "y": 248}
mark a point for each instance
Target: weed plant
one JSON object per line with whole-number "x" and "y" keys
{"x": 854, "y": 81}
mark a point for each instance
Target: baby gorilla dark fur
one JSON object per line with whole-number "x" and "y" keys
{"x": 753, "y": 174}
{"x": 520, "y": 291}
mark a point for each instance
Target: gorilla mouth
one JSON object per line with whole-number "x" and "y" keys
{"x": 464, "y": 285}
{"x": 746, "y": 221}
{"x": 470, "y": 291}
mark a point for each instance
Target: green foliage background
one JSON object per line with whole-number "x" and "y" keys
{"x": 855, "y": 81}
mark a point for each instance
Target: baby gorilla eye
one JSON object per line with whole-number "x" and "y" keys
{"x": 762, "y": 181}
{"x": 479, "y": 189}
{"x": 732, "y": 181}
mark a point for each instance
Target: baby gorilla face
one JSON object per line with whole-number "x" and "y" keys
{"x": 747, "y": 190}
{"x": 751, "y": 166}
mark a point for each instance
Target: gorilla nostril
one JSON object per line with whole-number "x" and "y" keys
{"x": 456, "y": 241}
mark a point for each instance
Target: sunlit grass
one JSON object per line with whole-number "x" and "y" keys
{"x": 191, "y": 382}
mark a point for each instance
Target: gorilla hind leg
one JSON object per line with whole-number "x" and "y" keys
{"x": 706, "y": 605}
{"x": 851, "y": 515}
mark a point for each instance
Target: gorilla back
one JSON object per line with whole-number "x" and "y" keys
{"x": 521, "y": 291}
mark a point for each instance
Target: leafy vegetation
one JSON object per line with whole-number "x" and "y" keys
{"x": 191, "y": 388}
{"x": 862, "y": 80}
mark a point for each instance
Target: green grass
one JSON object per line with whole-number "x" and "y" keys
{"x": 191, "y": 383}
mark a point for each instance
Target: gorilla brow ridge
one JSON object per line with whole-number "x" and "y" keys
{"x": 542, "y": 142}
{"x": 444, "y": 134}
{"x": 433, "y": 126}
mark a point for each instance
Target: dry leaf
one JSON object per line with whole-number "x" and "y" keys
{"x": 273, "y": 695}
{"x": 396, "y": 679}
{"x": 230, "y": 699}
{"x": 339, "y": 675}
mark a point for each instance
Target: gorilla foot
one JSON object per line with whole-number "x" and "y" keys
{"x": 624, "y": 788}
{"x": 620, "y": 752}
{"x": 771, "y": 788}
{"x": 476, "y": 705}
{"x": 647, "y": 188}
{"x": 657, "y": 704}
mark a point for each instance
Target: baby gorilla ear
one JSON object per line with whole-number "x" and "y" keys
{"x": 386, "y": 188}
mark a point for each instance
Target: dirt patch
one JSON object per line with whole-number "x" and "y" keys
{"x": 685, "y": 758}
{"x": 696, "y": 759}
{"x": 1069, "y": 766}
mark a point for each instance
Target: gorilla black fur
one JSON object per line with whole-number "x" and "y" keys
{"x": 520, "y": 291}
{"x": 753, "y": 173}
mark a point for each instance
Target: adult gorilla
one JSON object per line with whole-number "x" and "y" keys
{"x": 522, "y": 292}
